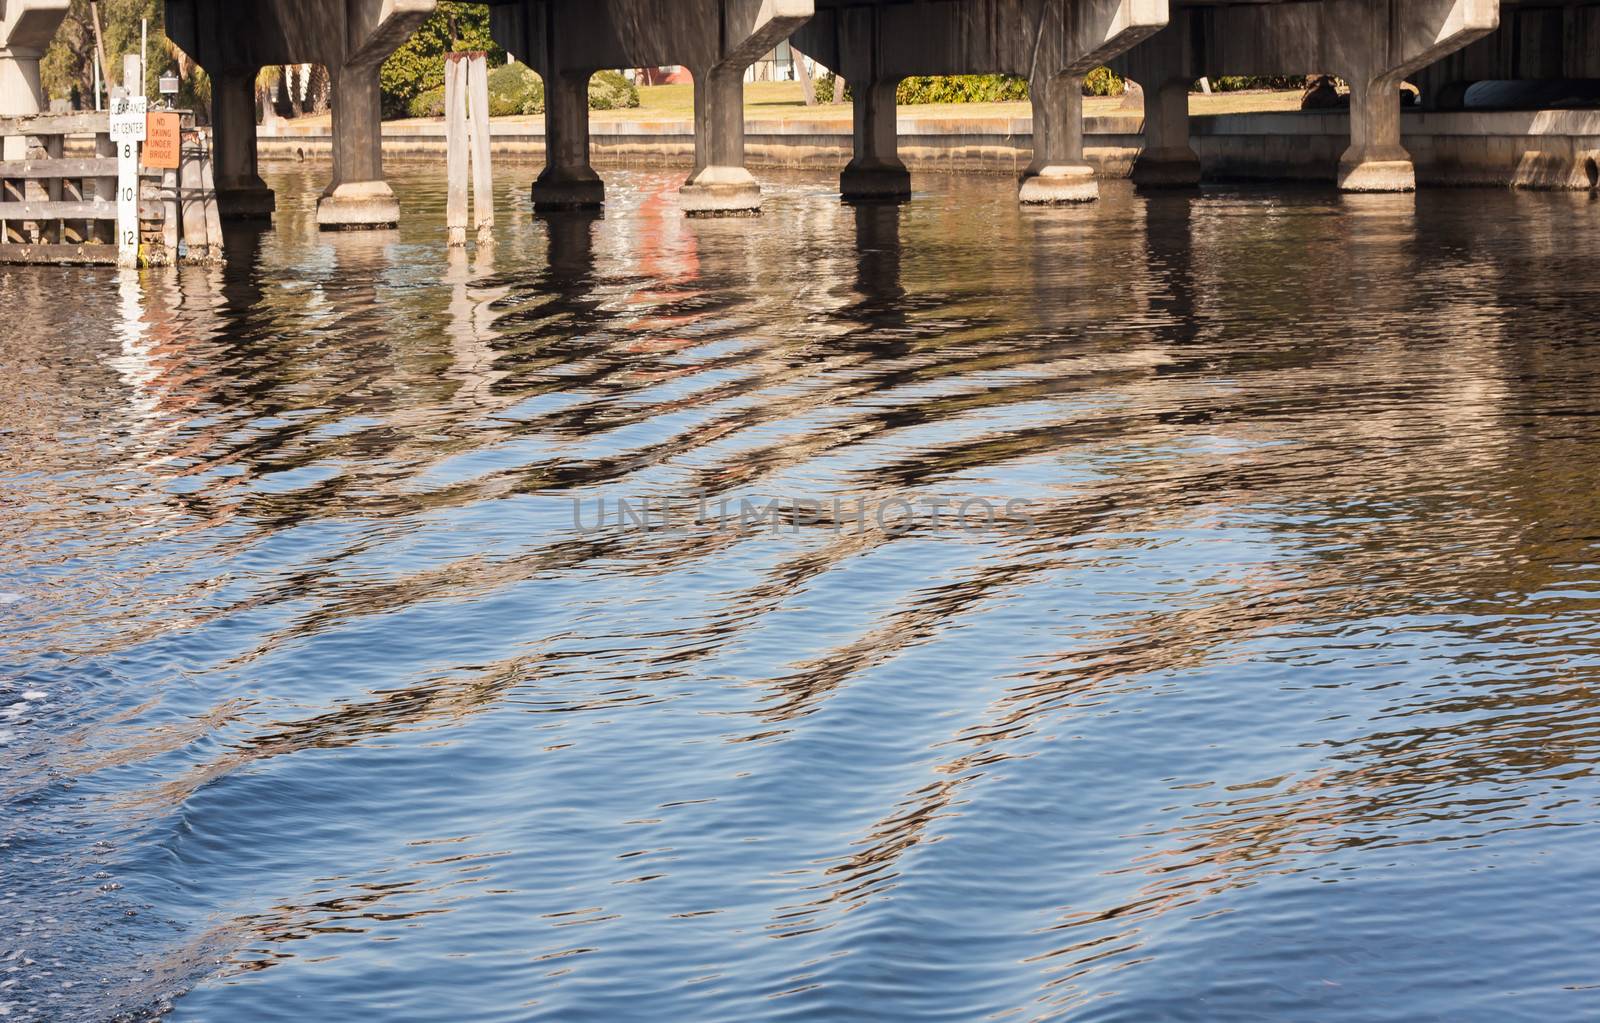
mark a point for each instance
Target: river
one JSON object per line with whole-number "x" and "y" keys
{"x": 1180, "y": 608}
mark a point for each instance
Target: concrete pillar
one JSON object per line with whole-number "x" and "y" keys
{"x": 351, "y": 38}
{"x": 1058, "y": 173}
{"x": 568, "y": 182}
{"x": 357, "y": 197}
{"x": 716, "y": 39}
{"x": 875, "y": 171}
{"x": 241, "y": 194}
{"x": 1374, "y": 45}
{"x": 1053, "y": 43}
{"x": 1167, "y": 160}
{"x": 720, "y": 184}
{"x": 26, "y": 28}
{"x": 1375, "y": 160}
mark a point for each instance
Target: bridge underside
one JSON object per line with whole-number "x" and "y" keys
{"x": 566, "y": 41}
{"x": 1374, "y": 45}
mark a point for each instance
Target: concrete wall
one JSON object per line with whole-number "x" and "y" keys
{"x": 1555, "y": 149}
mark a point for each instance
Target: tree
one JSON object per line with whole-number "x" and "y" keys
{"x": 418, "y": 65}
{"x": 69, "y": 62}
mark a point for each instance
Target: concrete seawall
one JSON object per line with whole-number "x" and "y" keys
{"x": 1557, "y": 149}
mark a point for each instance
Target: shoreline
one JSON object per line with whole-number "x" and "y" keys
{"x": 1546, "y": 149}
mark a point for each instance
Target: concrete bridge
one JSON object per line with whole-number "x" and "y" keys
{"x": 1165, "y": 45}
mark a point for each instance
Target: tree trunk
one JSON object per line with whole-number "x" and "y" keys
{"x": 803, "y": 75}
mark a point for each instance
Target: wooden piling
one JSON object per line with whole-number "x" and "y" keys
{"x": 456, "y": 129}
{"x": 208, "y": 203}
{"x": 192, "y": 201}
{"x": 482, "y": 174}
{"x": 466, "y": 105}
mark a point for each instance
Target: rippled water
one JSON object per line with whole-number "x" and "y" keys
{"x": 317, "y": 702}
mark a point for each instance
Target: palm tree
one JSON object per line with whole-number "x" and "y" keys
{"x": 266, "y": 92}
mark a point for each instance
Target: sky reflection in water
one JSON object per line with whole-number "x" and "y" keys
{"x": 314, "y": 701}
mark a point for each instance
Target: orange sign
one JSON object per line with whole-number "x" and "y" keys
{"x": 161, "y": 141}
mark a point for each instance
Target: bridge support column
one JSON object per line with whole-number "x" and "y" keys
{"x": 567, "y": 182}
{"x": 875, "y": 171}
{"x": 720, "y": 184}
{"x": 1165, "y": 66}
{"x": 1375, "y": 160}
{"x": 357, "y": 198}
{"x": 1375, "y": 44}
{"x": 1058, "y": 173}
{"x": 26, "y": 27}
{"x": 1168, "y": 160}
{"x": 241, "y": 194}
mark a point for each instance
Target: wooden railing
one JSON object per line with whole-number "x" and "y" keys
{"x": 58, "y": 202}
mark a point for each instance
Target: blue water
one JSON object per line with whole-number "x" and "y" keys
{"x": 334, "y": 686}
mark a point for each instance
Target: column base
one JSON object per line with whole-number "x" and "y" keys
{"x": 1059, "y": 185}
{"x": 568, "y": 193}
{"x": 1377, "y": 176}
{"x": 358, "y": 206}
{"x": 880, "y": 182}
{"x": 246, "y": 202}
{"x": 1167, "y": 169}
{"x": 721, "y": 192}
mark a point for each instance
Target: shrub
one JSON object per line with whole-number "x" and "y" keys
{"x": 961, "y": 89}
{"x": 429, "y": 103}
{"x": 515, "y": 89}
{"x": 1239, "y": 83}
{"x": 611, "y": 90}
{"x": 1103, "y": 81}
{"x": 973, "y": 88}
{"x": 823, "y": 84}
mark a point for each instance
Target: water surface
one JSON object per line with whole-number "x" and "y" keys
{"x": 317, "y": 702}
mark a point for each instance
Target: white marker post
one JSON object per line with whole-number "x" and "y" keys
{"x": 127, "y": 131}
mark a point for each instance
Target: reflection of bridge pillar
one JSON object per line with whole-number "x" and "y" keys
{"x": 26, "y": 27}
{"x": 241, "y": 194}
{"x": 878, "y": 257}
{"x": 1052, "y": 43}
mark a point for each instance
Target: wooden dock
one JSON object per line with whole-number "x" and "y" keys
{"x": 58, "y": 201}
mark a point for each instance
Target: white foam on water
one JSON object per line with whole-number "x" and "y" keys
{"x": 34, "y": 694}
